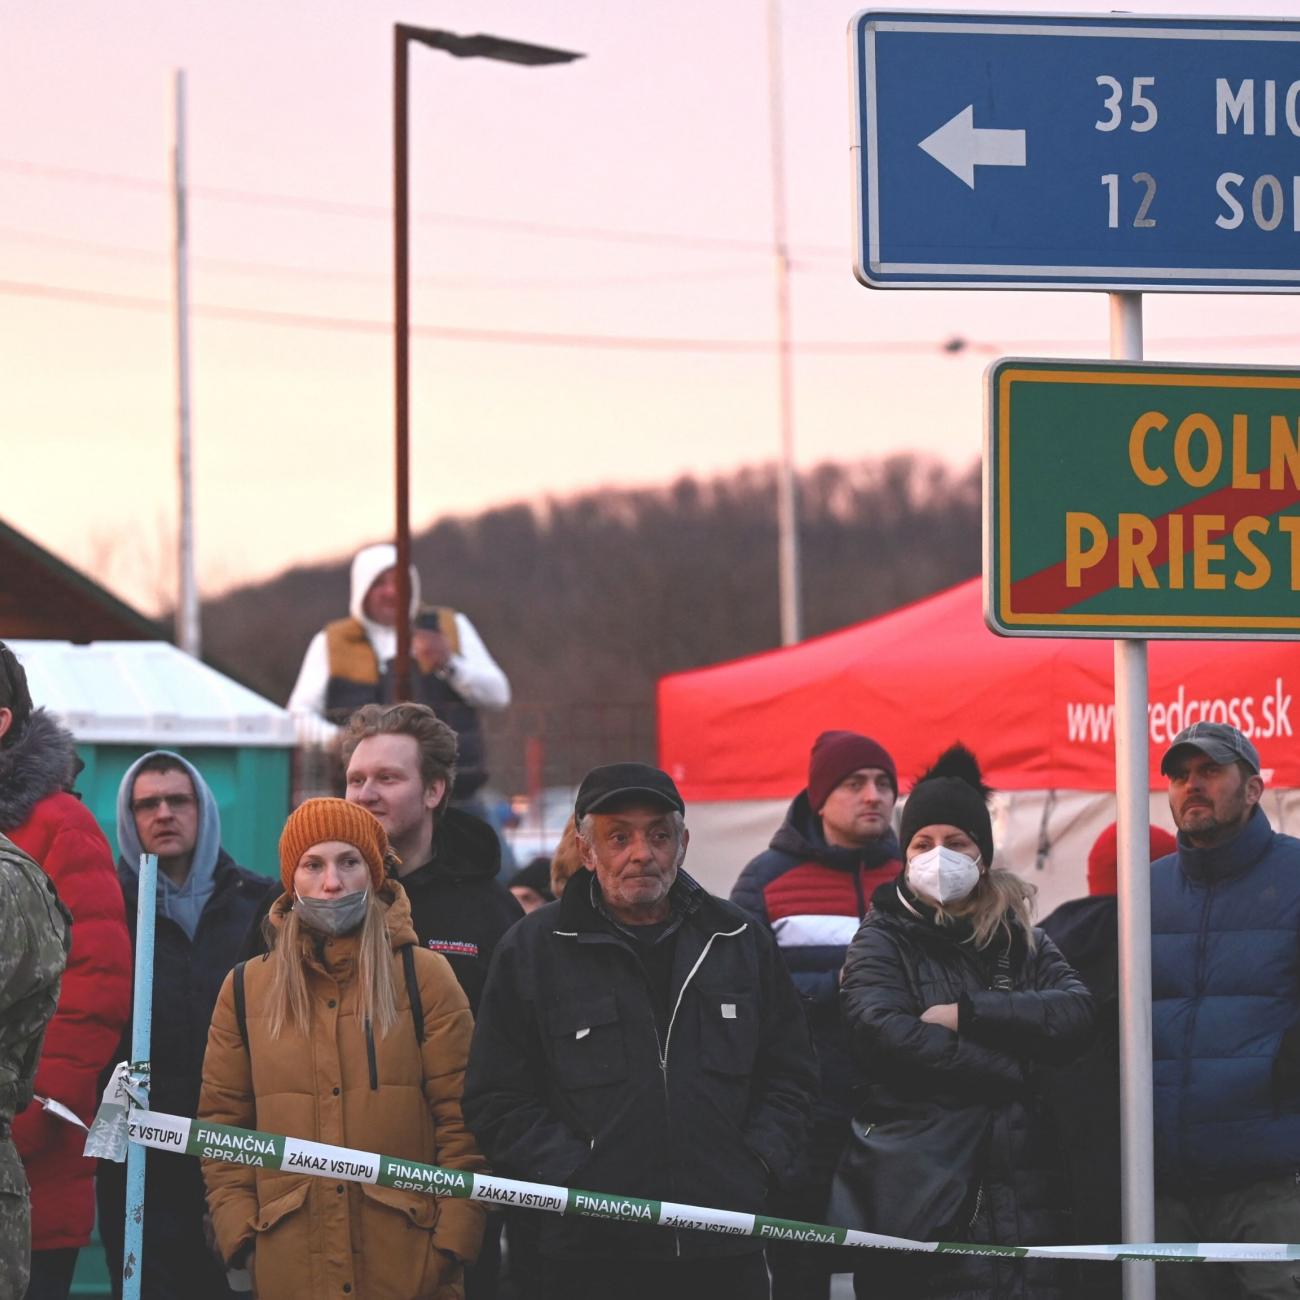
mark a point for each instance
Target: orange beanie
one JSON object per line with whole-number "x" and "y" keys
{"x": 320, "y": 820}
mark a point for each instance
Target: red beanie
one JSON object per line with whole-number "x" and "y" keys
{"x": 1103, "y": 857}
{"x": 837, "y": 754}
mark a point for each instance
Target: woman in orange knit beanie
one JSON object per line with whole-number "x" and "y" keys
{"x": 353, "y": 1035}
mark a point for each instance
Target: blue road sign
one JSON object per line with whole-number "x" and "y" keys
{"x": 1051, "y": 151}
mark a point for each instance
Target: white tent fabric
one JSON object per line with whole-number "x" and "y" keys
{"x": 147, "y": 692}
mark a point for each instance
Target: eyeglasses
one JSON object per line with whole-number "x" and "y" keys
{"x": 151, "y": 804}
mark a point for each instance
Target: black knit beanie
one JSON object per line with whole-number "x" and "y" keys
{"x": 14, "y": 694}
{"x": 951, "y": 793}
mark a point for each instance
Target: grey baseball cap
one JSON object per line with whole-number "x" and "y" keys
{"x": 1217, "y": 740}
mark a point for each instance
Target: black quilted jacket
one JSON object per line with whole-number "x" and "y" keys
{"x": 1028, "y": 1009}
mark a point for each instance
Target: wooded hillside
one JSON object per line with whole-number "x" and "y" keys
{"x": 585, "y": 601}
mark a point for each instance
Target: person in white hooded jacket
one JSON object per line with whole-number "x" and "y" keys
{"x": 349, "y": 662}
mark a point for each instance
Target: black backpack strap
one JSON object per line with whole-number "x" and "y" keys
{"x": 241, "y": 1005}
{"x": 413, "y": 992}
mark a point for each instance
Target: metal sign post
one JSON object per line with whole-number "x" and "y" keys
{"x": 141, "y": 1046}
{"x": 1132, "y": 781}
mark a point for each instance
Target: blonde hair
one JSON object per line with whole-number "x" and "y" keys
{"x": 567, "y": 859}
{"x": 436, "y": 743}
{"x": 1000, "y": 900}
{"x": 289, "y": 997}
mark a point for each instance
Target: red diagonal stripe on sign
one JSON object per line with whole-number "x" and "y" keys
{"x": 1045, "y": 592}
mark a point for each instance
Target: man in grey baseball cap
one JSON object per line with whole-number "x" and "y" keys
{"x": 1225, "y": 976}
{"x": 1224, "y": 744}
{"x": 1214, "y": 782}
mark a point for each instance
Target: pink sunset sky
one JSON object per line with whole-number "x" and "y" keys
{"x": 612, "y": 201}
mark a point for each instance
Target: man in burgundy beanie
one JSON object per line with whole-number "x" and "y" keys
{"x": 1085, "y": 1098}
{"x": 812, "y": 888}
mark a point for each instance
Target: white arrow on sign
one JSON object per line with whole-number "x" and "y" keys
{"x": 959, "y": 145}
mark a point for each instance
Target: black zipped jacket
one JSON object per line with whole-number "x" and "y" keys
{"x": 458, "y": 906}
{"x": 1034, "y": 1012}
{"x": 570, "y": 1084}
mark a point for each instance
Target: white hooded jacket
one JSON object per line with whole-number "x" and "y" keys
{"x": 471, "y": 672}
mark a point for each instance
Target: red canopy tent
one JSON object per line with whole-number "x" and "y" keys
{"x": 1038, "y": 713}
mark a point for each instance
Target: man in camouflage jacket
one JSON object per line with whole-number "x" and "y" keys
{"x": 35, "y": 933}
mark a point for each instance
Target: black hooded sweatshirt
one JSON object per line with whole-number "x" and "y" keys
{"x": 458, "y": 905}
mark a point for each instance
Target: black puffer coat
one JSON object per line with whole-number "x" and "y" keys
{"x": 1031, "y": 1009}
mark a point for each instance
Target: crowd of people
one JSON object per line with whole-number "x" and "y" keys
{"x": 871, "y": 1031}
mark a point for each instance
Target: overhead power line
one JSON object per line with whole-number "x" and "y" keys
{"x": 458, "y": 333}
{"x": 245, "y": 266}
{"x": 609, "y": 342}
{"x": 375, "y": 211}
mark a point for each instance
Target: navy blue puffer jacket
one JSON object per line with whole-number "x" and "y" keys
{"x": 1225, "y": 988}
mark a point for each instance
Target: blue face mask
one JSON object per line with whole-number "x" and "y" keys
{"x": 333, "y": 916}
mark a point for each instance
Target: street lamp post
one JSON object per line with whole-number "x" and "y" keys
{"x": 461, "y": 47}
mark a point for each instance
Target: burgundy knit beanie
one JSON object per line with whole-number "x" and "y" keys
{"x": 837, "y": 754}
{"x": 1103, "y": 858}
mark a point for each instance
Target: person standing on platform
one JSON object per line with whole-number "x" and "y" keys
{"x": 349, "y": 663}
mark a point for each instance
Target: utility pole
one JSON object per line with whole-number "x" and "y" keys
{"x": 787, "y": 514}
{"x": 188, "y": 633}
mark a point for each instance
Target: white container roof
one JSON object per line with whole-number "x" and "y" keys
{"x": 147, "y": 692}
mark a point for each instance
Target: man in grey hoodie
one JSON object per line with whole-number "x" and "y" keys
{"x": 205, "y": 905}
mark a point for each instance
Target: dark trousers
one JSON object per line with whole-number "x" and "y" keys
{"x": 801, "y": 1271}
{"x": 482, "y": 1275}
{"x": 177, "y": 1261}
{"x": 52, "y": 1272}
{"x": 730, "y": 1277}
{"x": 1265, "y": 1211}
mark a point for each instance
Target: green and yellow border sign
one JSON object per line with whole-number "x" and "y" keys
{"x": 1127, "y": 499}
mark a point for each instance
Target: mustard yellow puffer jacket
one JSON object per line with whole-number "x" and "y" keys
{"x": 317, "y": 1238}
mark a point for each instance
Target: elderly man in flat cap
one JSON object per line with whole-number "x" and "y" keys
{"x": 640, "y": 1036}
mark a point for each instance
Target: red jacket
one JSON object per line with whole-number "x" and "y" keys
{"x": 62, "y": 835}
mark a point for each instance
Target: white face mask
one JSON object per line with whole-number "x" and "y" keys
{"x": 943, "y": 874}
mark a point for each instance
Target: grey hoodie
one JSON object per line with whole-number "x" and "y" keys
{"x": 183, "y": 904}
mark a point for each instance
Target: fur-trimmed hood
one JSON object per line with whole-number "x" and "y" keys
{"x": 36, "y": 763}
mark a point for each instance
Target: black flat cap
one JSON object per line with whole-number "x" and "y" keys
{"x": 605, "y": 789}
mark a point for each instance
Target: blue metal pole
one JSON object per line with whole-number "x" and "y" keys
{"x": 141, "y": 1036}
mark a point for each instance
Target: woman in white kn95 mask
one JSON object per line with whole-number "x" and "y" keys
{"x": 953, "y": 999}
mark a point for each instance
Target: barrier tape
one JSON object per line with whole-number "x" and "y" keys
{"x": 244, "y": 1146}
